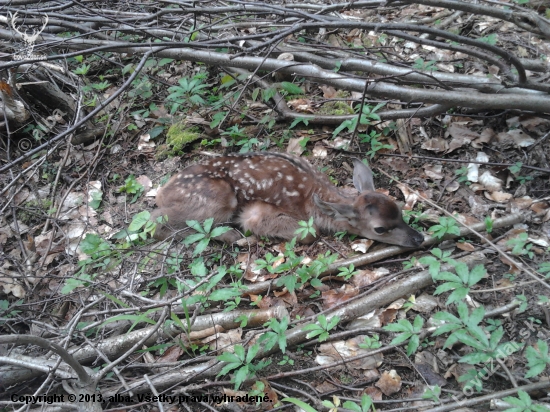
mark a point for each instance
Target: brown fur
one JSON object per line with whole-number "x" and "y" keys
{"x": 268, "y": 193}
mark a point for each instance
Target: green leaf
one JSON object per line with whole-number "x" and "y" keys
{"x": 241, "y": 375}
{"x": 139, "y": 221}
{"x": 291, "y": 88}
{"x": 445, "y": 287}
{"x": 475, "y": 358}
{"x": 447, "y": 276}
{"x": 220, "y": 230}
{"x": 476, "y": 274}
{"x": 224, "y": 294}
{"x": 201, "y": 246}
{"x": 193, "y": 238}
{"x": 208, "y": 224}
{"x": 302, "y": 405}
{"x": 399, "y": 339}
{"x": 413, "y": 345}
{"x": 458, "y": 295}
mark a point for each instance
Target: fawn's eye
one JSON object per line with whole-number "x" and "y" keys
{"x": 379, "y": 230}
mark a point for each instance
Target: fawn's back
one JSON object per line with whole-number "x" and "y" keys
{"x": 269, "y": 193}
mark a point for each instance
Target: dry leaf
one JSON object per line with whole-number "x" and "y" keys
{"x": 328, "y": 91}
{"x": 499, "y": 197}
{"x": 461, "y": 135}
{"x": 516, "y": 137}
{"x": 334, "y": 297}
{"x": 434, "y": 172}
{"x": 465, "y": 246}
{"x": 366, "y": 277}
{"x": 361, "y": 245}
{"x": 435, "y": 145}
{"x": 294, "y": 146}
{"x": 425, "y": 303}
{"x": 389, "y": 383}
{"x": 491, "y": 183}
{"x": 485, "y": 137}
{"x": 338, "y": 350}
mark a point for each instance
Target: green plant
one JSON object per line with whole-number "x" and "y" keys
{"x": 291, "y": 88}
{"x": 371, "y": 342}
{"x": 409, "y": 264}
{"x": 7, "y": 311}
{"x": 276, "y": 335}
{"x": 141, "y": 226}
{"x": 460, "y": 283}
{"x": 132, "y": 187}
{"x": 408, "y": 331}
{"x": 433, "y": 393}
{"x": 490, "y": 39}
{"x": 413, "y": 218}
{"x": 347, "y": 272}
{"x": 305, "y": 273}
{"x": 368, "y": 114}
{"x": 462, "y": 176}
{"x": 322, "y": 328}
{"x": 187, "y": 91}
{"x": 247, "y": 145}
{"x": 523, "y": 303}
{"x": 447, "y": 225}
{"x": 204, "y": 235}
{"x": 235, "y": 133}
{"x": 466, "y": 329}
{"x": 102, "y": 258}
{"x": 286, "y": 360}
{"x": 461, "y": 327}
{"x": 545, "y": 268}
{"x": 523, "y": 403}
{"x": 434, "y": 262}
{"x": 241, "y": 363}
{"x": 142, "y": 88}
{"x": 297, "y": 121}
{"x": 425, "y": 66}
{"x": 300, "y": 404}
{"x": 537, "y": 360}
{"x": 372, "y": 139}
{"x": 520, "y": 245}
{"x": 306, "y": 228}
{"x": 83, "y": 69}
{"x": 515, "y": 169}
{"x": 488, "y": 224}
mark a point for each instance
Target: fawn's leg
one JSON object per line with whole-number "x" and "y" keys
{"x": 180, "y": 200}
{"x": 264, "y": 219}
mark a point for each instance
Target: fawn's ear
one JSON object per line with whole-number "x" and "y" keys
{"x": 338, "y": 211}
{"x": 362, "y": 176}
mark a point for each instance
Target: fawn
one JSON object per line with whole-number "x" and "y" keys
{"x": 269, "y": 193}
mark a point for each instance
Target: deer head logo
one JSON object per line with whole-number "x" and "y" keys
{"x": 28, "y": 39}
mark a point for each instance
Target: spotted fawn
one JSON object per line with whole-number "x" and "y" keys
{"x": 269, "y": 193}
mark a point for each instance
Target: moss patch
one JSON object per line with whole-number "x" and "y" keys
{"x": 336, "y": 109}
{"x": 177, "y": 137}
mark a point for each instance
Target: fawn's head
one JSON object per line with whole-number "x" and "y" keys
{"x": 371, "y": 214}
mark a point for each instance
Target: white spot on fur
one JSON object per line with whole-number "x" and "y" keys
{"x": 289, "y": 178}
{"x": 290, "y": 194}
{"x": 266, "y": 183}
{"x": 304, "y": 179}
